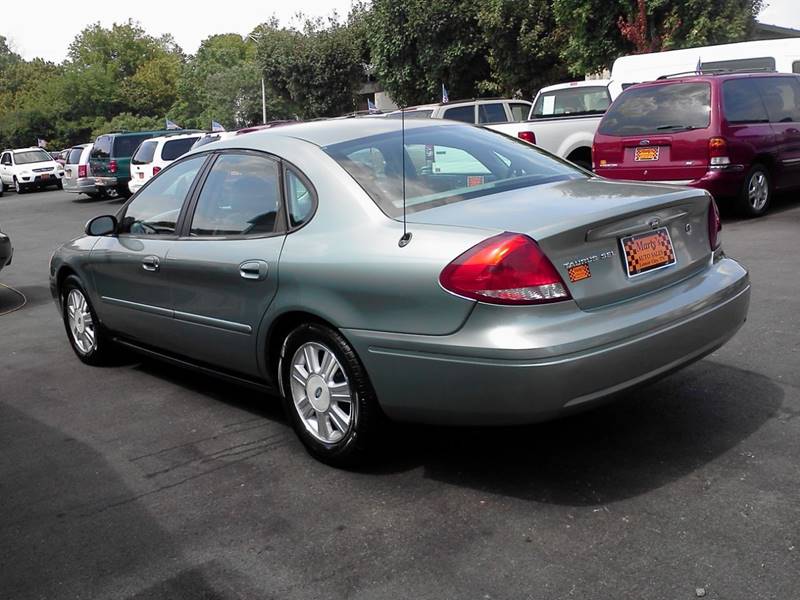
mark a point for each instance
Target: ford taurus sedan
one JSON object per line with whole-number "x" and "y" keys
{"x": 520, "y": 287}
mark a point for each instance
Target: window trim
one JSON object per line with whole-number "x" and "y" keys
{"x": 281, "y": 219}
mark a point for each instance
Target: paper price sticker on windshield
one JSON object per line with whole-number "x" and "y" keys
{"x": 649, "y": 251}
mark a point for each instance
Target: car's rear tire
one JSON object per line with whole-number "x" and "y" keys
{"x": 328, "y": 397}
{"x": 756, "y": 194}
{"x": 85, "y": 334}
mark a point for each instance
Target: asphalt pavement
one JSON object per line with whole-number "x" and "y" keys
{"x": 143, "y": 481}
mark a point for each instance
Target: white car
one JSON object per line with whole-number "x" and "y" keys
{"x": 482, "y": 111}
{"x": 26, "y": 168}
{"x": 154, "y": 154}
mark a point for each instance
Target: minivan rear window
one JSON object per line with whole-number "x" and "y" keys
{"x": 102, "y": 147}
{"x": 144, "y": 153}
{"x": 175, "y": 148}
{"x": 664, "y": 108}
{"x": 74, "y": 156}
{"x": 124, "y": 145}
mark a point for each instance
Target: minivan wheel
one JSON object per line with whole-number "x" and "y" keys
{"x": 756, "y": 192}
{"x": 83, "y": 329}
{"x": 328, "y": 397}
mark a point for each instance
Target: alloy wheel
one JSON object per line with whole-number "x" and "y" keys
{"x": 81, "y": 323}
{"x": 321, "y": 393}
{"x": 758, "y": 191}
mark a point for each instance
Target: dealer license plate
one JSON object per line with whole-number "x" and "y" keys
{"x": 645, "y": 153}
{"x": 649, "y": 251}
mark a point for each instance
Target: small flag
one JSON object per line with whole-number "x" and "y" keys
{"x": 371, "y": 106}
{"x": 41, "y": 143}
{"x": 172, "y": 125}
{"x": 216, "y": 126}
{"x": 445, "y": 96}
{"x": 698, "y": 70}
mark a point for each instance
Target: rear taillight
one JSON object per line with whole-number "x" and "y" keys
{"x": 112, "y": 166}
{"x": 509, "y": 268}
{"x": 527, "y": 136}
{"x": 81, "y": 170}
{"x": 718, "y": 153}
{"x": 714, "y": 225}
{"x": 156, "y": 170}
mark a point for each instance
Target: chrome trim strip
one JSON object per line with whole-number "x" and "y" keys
{"x": 212, "y": 322}
{"x": 791, "y": 161}
{"x": 148, "y": 308}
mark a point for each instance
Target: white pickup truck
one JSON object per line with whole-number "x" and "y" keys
{"x": 564, "y": 118}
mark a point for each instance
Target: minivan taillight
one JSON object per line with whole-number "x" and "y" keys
{"x": 718, "y": 153}
{"x": 509, "y": 268}
{"x": 527, "y": 136}
{"x": 81, "y": 170}
{"x": 156, "y": 170}
{"x": 112, "y": 166}
{"x": 714, "y": 225}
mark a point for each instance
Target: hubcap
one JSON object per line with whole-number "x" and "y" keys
{"x": 758, "y": 191}
{"x": 321, "y": 393}
{"x": 81, "y": 325}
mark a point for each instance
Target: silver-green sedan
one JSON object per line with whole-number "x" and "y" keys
{"x": 519, "y": 288}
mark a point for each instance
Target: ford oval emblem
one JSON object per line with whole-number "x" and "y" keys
{"x": 644, "y": 143}
{"x": 654, "y": 223}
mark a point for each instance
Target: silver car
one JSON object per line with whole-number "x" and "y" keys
{"x": 519, "y": 288}
{"x": 78, "y": 176}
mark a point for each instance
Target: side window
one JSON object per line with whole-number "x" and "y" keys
{"x": 740, "y": 104}
{"x": 6, "y": 158}
{"x": 102, "y": 147}
{"x": 176, "y": 148}
{"x": 465, "y": 114}
{"x": 492, "y": 113}
{"x": 299, "y": 199}
{"x": 241, "y": 196}
{"x": 780, "y": 95}
{"x": 519, "y": 111}
{"x": 155, "y": 210}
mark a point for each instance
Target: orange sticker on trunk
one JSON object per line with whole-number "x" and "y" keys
{"x": 579, "y": 272}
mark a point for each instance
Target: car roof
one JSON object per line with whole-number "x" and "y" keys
{"x": 28, "y": 149}
{"x": 576, "y": 84}
{"x": 177, "y": 136}
{"x": 710, "y": 77}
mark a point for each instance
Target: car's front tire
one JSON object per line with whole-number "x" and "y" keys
{"x": 20, "y": 188}
{"x": 756, "y": 193}
{"x": 84, "y": 331}
{"x": 328, "y": 397}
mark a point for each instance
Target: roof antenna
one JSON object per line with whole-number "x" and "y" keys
{"x": 406, "y": 237}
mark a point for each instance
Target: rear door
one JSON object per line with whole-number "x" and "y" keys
{"x": 224, "y": 269}
{"x": 781, "y": 96}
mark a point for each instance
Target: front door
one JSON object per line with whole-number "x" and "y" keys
{"x": 224, "y": 269}
{"x": 6, "y": 172}
{"x": 131, "y": 271}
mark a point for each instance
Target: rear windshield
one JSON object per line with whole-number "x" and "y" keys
{"x": 659, "y": 109}
{"x": 31, "y": 156}
{"x": 74, "y": 156}
{"x": 175, "y": 148}
{"x": 444, "y": 164}
{"x": 102, "y": 147}
{"x": 124, "y": 145}
{"x": 572, "y": 101}
{"x": 144, "y": 153}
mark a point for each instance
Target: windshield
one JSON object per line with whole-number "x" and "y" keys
{"x": 659, "y": 109}
{"x": 572, "y": 101}
{"x": 31, "y": 156}
{"x": 444, "y": 164}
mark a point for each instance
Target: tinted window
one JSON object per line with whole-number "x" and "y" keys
{"x": 74, "y": 156}
{"x": 465, "y": 114}
{"x": 176, "y": 148}
{"x": 6, "y": 160}
{"x": 766, "y": 63}
{"x": 299, "y": 198}
{"x": 240, "y": 196}
{"x": 444, "y": 164}
{"x": 31, "y": 156}
{"x": 102, "y": 147}
{"x": 519, "y": 111}
{"x": 155, "y": 210}
{"x": 742, "y": 103}
{"x": 659, "y": 108}
{"x": 412, "y": 114}
{"x": 144, "y": 153}
{"x": 780, "y": 95}
{"x": 572, "y": 101}
{"x": 124, "y": 145}
{"x": 492, "y": 113}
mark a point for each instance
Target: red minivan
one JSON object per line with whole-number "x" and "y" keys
{"x": 735, "y": 135}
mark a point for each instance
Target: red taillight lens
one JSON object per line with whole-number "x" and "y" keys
{"x": 509, "y": 268}
{"x": 714, "y": 225}
{"x": 527, "y": 136}
{"x": 112, "y": 166}
{"x": 81, "y": 170}
{"x": 156, "y": 170}
{"x": 718, "y": 152}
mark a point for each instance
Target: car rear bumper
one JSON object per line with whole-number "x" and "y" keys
{"x": 512, "y": 365}
{"x": 721, "y": 183}
{"x": 135, "y": 184}
{"x": 110, "y": 182}
{"x": 83, "y": 185}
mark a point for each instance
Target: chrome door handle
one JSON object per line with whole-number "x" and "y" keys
{"x": 150, "y": 263}
{"x": 253, "y": 269}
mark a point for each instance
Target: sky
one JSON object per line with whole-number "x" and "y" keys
{"x": 49, "y": 37}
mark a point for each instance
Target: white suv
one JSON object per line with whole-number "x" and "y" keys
{"x": 481, "y": 111}
{"x": 26, "y": 168}
{"x": 154, "y": 154}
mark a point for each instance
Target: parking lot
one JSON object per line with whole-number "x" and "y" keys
{"x": 145, "y": 481}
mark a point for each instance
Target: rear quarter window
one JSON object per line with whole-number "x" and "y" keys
{"x": 74, "y": 156}
{"x": 175, "y": 148}
{"x": 740, "y": 104}
{"x": 102, "y": 147}
{"x": 144, "y": 153}
{"x": 125, "y": 145}
{"x": 662, "y": 108}
{"x": 465, "y": 114}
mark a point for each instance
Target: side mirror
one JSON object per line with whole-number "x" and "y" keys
{"x": 102, "y": 225}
